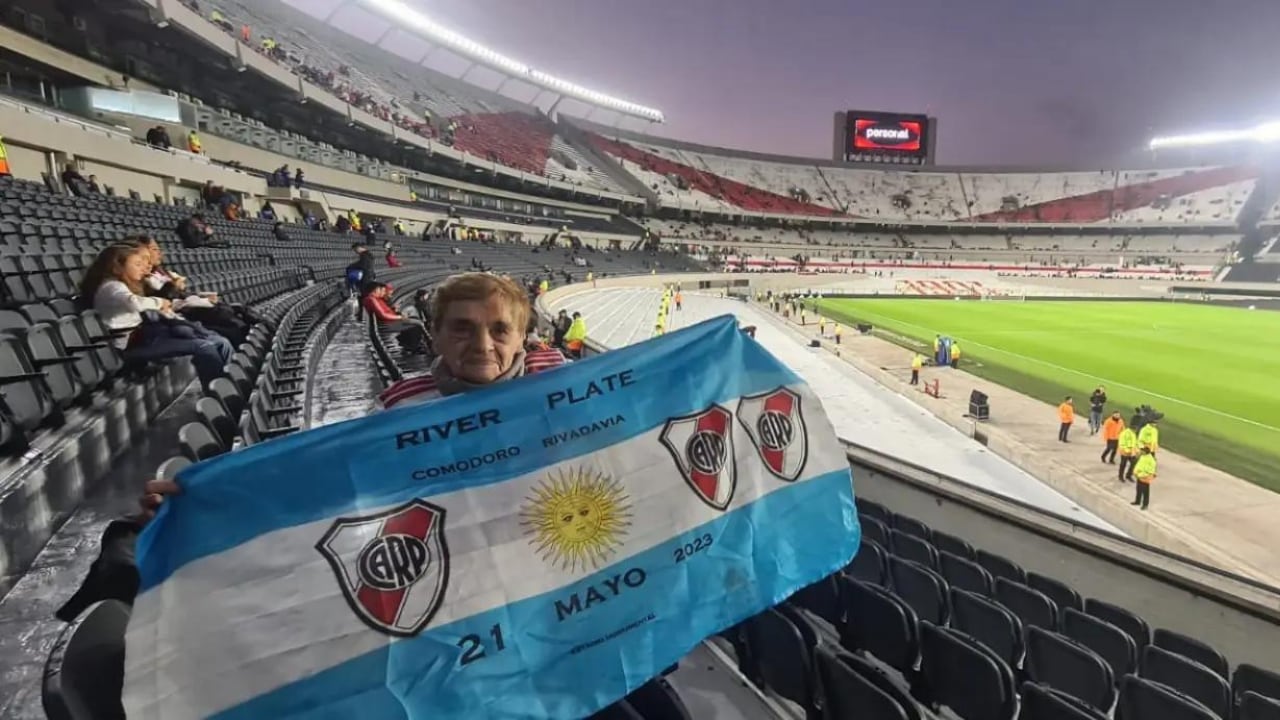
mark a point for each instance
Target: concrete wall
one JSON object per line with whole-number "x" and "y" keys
{"x": 25, "y": 163}
{"x": 72, "y": 138}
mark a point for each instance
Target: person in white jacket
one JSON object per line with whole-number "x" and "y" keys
{"x": 114, "y": 286}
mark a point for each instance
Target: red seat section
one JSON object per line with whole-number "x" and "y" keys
{"x": 1099, "y": 206}
{"x": 513, "y": 139}
{"x": 731, "y": 191}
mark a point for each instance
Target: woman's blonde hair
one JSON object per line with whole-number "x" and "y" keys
{"x": 480, "y": 286}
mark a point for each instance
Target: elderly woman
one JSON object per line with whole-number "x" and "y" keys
{"x": 478, "y": 322}
{"x": 478, "y": 325}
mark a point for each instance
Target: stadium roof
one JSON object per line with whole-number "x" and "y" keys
{"x": 423, "y": 26}
{"x": 1264, "y": 133}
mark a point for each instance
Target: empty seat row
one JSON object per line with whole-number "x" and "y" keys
{"x": 892, "y": 636}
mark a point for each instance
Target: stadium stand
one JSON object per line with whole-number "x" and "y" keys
{"x": 793, "y": 186}
{"x": 484, "y": 124}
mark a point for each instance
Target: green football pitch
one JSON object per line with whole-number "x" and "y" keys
{"x": 1213, "y": 371}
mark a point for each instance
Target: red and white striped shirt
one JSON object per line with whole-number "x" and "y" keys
{"x": 423, "y": 389}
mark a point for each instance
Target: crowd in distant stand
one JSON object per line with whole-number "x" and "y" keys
{"x": 339, "y": 82}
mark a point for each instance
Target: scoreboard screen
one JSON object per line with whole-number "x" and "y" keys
{"x": 883, "y": 137}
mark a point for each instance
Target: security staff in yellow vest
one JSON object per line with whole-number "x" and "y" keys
{"x": 193, "y": 143}
{"x": 1145, "y": 474}
{"x": 1149, "y": 437}
{"x": 917, "y": 362}
{"x": 4, "y": 158}
{"x": 1128, "y": 446}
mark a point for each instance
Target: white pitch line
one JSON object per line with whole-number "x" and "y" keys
{"x": 1104, "y": 381}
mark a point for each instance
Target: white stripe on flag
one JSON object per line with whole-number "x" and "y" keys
{"x": 270, "y": 612}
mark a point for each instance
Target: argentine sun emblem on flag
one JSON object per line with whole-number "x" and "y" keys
{"x": 537, "y": 549}
{"x": 577, "y": 519}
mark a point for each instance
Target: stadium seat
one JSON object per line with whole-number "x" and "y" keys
{"x": 913, "y": 548}
{"x": 225, "y": 392}
{"x": 783, "y": 659}
{"x": 1187, "y": 677}
{"x": 880, "y": 623}
{"x": 1257, "y": 707}
{"x": 852, "y": 688}
{"x": 215, "y": 417}
{"x": 874, "y": 530}
{"x": 923, "y": 589}
{"x": 990, "y": 623}
{"x": 1193, "y": 649}
{"x": 50, "y": 358}
{"x": 823, "y": 600}
{"x": 1059, "y": 592}
{"x": 911, "y": 526}
{"x": 23, "y": 388}
{"x": 1000, "y": 567}
{"x": 1040, "y": 702}
{"x": 960, "y": 673}
{"x": 198, "y": 442}
{"x": 1251, "y": 678}
{"x": 965, "y": 574}
{"x": 1031, "y": 606}
{"x": 84, "y": 674}
{"x": 869, "y": 564}
{"x": 952, "y": 544}
{"x": 657, "y": 700}
{"x": 1129, "y": 623}
{"x": 1145, "y": 700}
{"x": 170, "y": 468}
{"x": 9, "y": 434}
{"x": 1063, "y": 664}
{"x": 620, "y": 710}
{"x": 875, "y": 510}
{"x": 1110, "y": 643}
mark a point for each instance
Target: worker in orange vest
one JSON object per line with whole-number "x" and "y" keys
{"x": 1111, "y": 429}
{"x": 1066, "y": 415}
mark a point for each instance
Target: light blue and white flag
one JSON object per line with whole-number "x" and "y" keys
{"x": 533, "y": 550}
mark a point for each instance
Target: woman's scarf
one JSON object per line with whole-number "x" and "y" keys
{"x": 450, "y": 385}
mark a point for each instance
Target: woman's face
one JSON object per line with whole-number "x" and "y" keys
{"x": 153, "y": 253}
{"x": 136, "y": 266}
{"x": 479, "y": 339}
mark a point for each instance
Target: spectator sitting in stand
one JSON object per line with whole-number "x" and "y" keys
{"x": 422, "y": 303}
{"x": 158, "y": 137}
{"x": 279, "y": 232}
{"x": 231, "y": 322}
{"x": 93, "y": 185}
{"x": 74, "y": 181}
{"x": 195, "y": 233}
{"x": 560, "y": 327}
{"x": 267, "y": 212}
{"x": 113, "y": 286}
{"x": 411, "y": 333}
{"x": 298, "y": 179}
{"x": 279, "y": 178}
{"x": 211, "y": 194}
{"x": 392, "y": 260}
